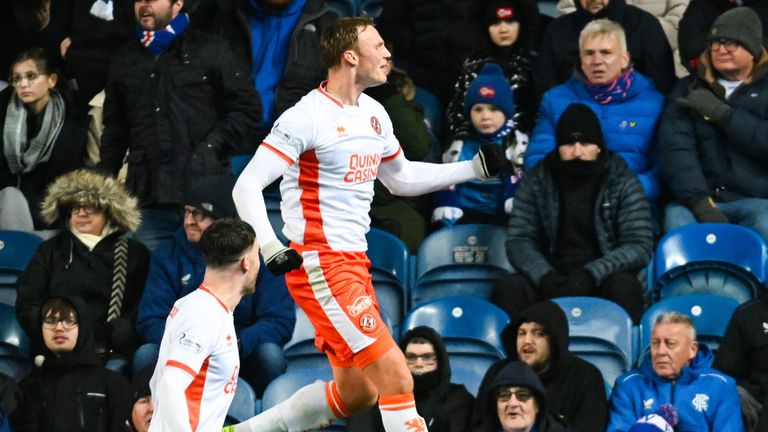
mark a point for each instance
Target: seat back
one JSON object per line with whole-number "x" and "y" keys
{"x": 719, "y": 259}
{"x": 243, "y": 405}
{"x": 601, "y": 333}
{"x": 711, "y": 315}
{"x": 468, "y": 373}
{"x": 16, "y": 250}
{"x": 15, "y": 348}
{"x": 462, "y": 259}
{"x": 389, "y": 271}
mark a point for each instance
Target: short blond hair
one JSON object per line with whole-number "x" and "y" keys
{"x": 604, "y": 27}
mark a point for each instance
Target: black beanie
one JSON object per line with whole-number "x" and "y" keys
{"x": 579, "y": 123}
{"x": 494, "y": 11}
{"x": 213, "y": 195}
{"x": 742, "y": 25}
{"x": 491, "y": 87}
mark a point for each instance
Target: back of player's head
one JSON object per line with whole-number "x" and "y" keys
{"x": 342, "y": 36}
{"x": 226, "y": 241}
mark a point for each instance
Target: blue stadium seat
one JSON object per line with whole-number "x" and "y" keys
{"x": 601, "y": 333}
{"x": 371, "y": 8}
{"x": 243, "y": 405}
{"x": 15, "y": 348}
{"x": 389, "y": 270}
{"x": 282, "y": 387}
{"x": 710, "y": 314}
{"x": 468, "y": 375}
{"x": 16, "y": 249}
{"x": 462, "y": 259}
{"x": 237, "y": 163}
{"x": 470, "y": 326}
{"x": 719, "y": 259}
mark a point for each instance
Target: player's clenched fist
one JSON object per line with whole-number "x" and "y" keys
{"x": 490, "y": 161}
{"x": 280, "y": 259}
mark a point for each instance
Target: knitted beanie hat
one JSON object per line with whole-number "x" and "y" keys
{"x": 579, "y": 123}
{"x": 213, "y": 195}
{"x": 494, "y": 11}
{"x": 491, "y": 87}
{"x": 742, "y": 25}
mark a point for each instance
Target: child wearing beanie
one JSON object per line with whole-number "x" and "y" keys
{"x": 490, "y": 105}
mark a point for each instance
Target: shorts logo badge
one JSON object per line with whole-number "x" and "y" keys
{"x": 368, "y": 322}
{"x": 360, "y": 305}
{"x": 376, "y": 125}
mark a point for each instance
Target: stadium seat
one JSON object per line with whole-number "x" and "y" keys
{"x": 15, "y": 348}
{"x": 462, "y": 259}
{"x": 389, "y": 270}
{"x": 468, "y": 375}
{"x": 470, "y": 326}
{"x": 282, "y": 387}
{"x": 243, "y": 405}
{"x": 16, "y": 249}
{"x": 720, "y": 259}
{"x": 601, "y": 333}
{"x": 371, "y": 8}
{"x": 710, "y": 314}
{"x": 237, "y": 163}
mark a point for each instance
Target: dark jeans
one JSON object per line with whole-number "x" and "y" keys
{"x": 514, "y": 293}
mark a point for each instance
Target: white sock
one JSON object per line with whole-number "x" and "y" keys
{"x": 311, "y": 407}
{"x": 398, "y": 413}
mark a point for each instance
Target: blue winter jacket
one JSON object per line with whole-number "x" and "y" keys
{"x": 177, "y": 268}
{"x": 706, "y": 399}
{"x": 629, "y": 126}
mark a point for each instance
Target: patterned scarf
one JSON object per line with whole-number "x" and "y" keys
{"x": 616, "y": 89}
{"x": 24, "y": 155}
{"x": 503, "y": 131}
{"x": 158, "y": 41}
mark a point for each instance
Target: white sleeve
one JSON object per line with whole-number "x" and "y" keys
{"x": 264, "y": 168}
{"x": 406, "y": 178}
{"x": 170, "y": 390}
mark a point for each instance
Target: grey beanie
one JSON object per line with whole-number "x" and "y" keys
{"x": 742, "y": 25}
{"x": 213, "y": 195}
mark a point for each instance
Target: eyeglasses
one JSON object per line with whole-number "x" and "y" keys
{"x": 53, "y": 322}
{"x": 730, "y": 45}
{"x": 429, "y": 358}
{"x": 17, "y": 79}
{"x": 197, "y": 214}
{"x": 89, "y": 210}
{"x": 521, "y": 395}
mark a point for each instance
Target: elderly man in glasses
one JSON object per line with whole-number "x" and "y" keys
{"x": 264, "y": 321}
{"x": 713, "y": 140}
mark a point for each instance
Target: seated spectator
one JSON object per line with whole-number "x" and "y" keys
{"x": 743, "y": 354}
{"x": 43, "y": 136}
{"x": 626, "y": 102}
{"x": 489, "y": 103}
{"x": 445, "y": 407}
{"x": 677, "y": 373}
{"x": 559, "y": 242}
{"x": 713, "y": 149}
{"x": 402, "y": 216}
{"x": 93, "y": 258}
{"x": 509, "y": 28}
{"x": 697, "y": 22}
{"x": 515, "y": 402}
{"x": 70, "y": 390}
{"x": 574, "y": 388}
{"x": 263, "y": 321}
{"x": 142, "y": 408}
{"x": 559, "y": 51}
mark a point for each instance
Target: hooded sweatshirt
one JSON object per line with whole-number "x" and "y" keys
{"x": 445, "y": 407}
{"x": 72, "y": 391}
{"x": 574, "y": 387}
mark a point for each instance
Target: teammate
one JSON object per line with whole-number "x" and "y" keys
{"x": 329, "y": 148}
{"x": 196, "y": 374}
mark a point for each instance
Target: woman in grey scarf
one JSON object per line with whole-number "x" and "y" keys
{"x": 42, "y": 137}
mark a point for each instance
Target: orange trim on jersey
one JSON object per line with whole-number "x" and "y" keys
{"x": 282, "y": 155}
{"x": 204, "y": 289}
{"x": 389, "y": 158}
{"x": 397, "y": 402}
{"x": 194, "y": 395}
{"x": 182, "y": 366}
{"x": 333, "y": 398}
{"x": 325, "y": 93}
{"x": 309, "y": 174}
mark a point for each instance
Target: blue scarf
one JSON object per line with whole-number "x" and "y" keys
{"x": 158, "y": 41}
{"x": 503, "y": 131}
{"x": 616, "y": 89}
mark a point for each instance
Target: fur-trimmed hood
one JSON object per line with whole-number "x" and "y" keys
{"x": 86, "y": 187}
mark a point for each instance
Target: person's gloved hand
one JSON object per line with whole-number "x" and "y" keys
{"x": 705, "y": 103}
{"x": 491, "y": 161}
{"x": 578, "y": 283}
{"x": 453, "y": 152}
{"x": 280, "y": 259}
{"x": 447, "y": 215}
{"x": 706, "y": 211}
{"x": 508, "y": 204}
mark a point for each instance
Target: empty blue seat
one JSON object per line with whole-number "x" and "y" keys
{"x": 468, "y": 373}
{"x": 16, "y": 249}
{"x": 389, "y": 271}
{"x": 720, "y": 259}
{"x": 711, "y": 315}
{"x": 243, "y": 405}
{"x": 15, "y": 348}
{"x": 601, "y": 333}
{"x": 462, "y": 259}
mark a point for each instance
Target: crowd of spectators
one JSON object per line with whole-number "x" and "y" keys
{"x": 621, "y": 120}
